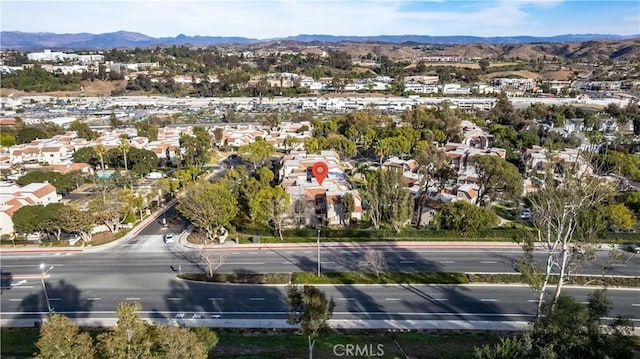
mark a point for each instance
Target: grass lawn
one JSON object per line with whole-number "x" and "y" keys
{"x": 265, "y": 344}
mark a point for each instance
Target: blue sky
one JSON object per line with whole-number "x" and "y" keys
{"x": 279, "y": 18}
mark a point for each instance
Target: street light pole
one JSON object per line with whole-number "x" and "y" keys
{"x": 44, "y": 286}
{"x": 318, "y": 243}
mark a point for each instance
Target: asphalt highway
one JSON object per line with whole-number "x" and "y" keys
{"x": 149, "y": 255}
{"x": 170, "y": 298}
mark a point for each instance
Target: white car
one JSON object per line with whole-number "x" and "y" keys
{"x": 526, "y": 214}
{"x": 169, "y": 238}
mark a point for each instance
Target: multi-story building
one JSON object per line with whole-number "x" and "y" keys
{"x": 315, "y": 204}
{"x": 12, "y": 197}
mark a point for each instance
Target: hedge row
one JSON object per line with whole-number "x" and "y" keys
{"x": 364, "y": 235}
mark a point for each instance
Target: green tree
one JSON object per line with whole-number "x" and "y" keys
{"x": 558, "y": 207}
{"x": 100, "y": 151}
{"x": 142, "y": 161}
{"x": 28, "y": 134}
{"x": 147, "y": 129}
{"x": 61, "y": 338}
{"x": 130, "y": 338}
{"x": 621, "y": 216}
{"x": 208, "y": 206}
{"x": 271, "y": 206}
{"x": 110, "y": 210}
{"x": 207, "y": 337}
{"x": 86, "y": 155}
{"x": 496, "y": 177}
{"x": 124, "y": 147}
{"x": 82, "y": 129}
{"x": 257, "y": 152}
{"x": 571, "y": 330}
{"x": 7, "y": 139}
{"x": 29, "y": 219}
{"x": 465, "y": 218}
{"x": 311, "y": 310}
{"x": 79, "y": 222}
{"x": 181, "y": 343}
{"x": 387, "y": 199}
{"x": 62, "y": 183}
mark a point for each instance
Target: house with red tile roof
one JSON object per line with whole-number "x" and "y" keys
{"x": 12, "y": 197}
{"x": 313, "y": 203}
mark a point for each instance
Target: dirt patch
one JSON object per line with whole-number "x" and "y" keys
{"x": 91, "y": 88}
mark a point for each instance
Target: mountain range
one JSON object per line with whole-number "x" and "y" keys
{"x": 124, "y": 39}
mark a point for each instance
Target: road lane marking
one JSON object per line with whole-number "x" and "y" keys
{"x": 15, "y": 299}
{"x": 392, "y": 299}
{"x": 215, "y": 298}
{"x": 243, "y": 263}
{"x": 29, "y": 265}
{"x": 328, "y": 262}
{"x": 287, "y": 262}
{"x": 635, "y": 305}
{"x": 290, "y": 252}
{"x": 346, "y": 299}
{"x": 441, "y": 299}
{"x": 447, "y": 262}
{"x": 174, "y": 298}
{"x": 55, "y": 298}
{"x": 132, "y": 298}
{"x": 93, "y": 298}
{"x": 532, "y": 300}
{"x": 256, "y": 298}
{"x": 306, "y": 252}
{"x": 407, "y": 262}
{"x": 488, "y": 262}
{"x": 488, "y": 300}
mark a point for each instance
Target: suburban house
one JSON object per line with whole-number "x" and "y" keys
{"x": 315, "y": 204}
{"x": 12, "y": 197}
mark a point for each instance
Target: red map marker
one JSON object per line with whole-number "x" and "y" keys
{"x": 320, "y": 171}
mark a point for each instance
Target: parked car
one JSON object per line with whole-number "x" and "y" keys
{"x": 526, "y": 214}
{"x": 633, "y": 248}
{"x": 169, "y": 238}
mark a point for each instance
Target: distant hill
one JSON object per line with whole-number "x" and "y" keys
{"x": 123, "y": 39}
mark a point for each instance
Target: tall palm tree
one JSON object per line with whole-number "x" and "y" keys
{"x": 124, "y": 147}
{"x": 100, "y": 151}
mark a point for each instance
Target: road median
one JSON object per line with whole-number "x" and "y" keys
{"x": 354, "y": 278}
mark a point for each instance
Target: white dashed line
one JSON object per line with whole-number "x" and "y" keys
{"x": 346, "y": 299}
{"x": 488, "y": 262}
{"x": 256, "y": 298}
{"x": 488, "y": 300}
{"x": 55, "y": 298}
{"x": 407, "y": 262}
{"x": 447, "y": 262}
{"x": 174, "y": 298}
{"x": 132, "y": 298}
{"x": 392, "y": 299}
{"x": 215, "y": 298}
{"x": 93, "y": 298}
{"x": 15, "y": 300}
{"x": 441, "y": 299}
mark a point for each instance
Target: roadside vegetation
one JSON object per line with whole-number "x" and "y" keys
{"x": 399, "y": 278}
